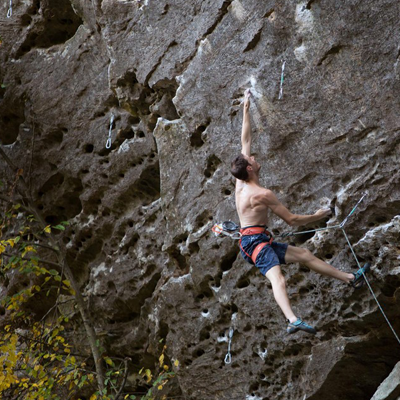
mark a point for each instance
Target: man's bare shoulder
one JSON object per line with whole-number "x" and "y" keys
{"x": 265, "y": 196}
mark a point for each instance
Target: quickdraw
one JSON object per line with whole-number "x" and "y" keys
{"x": 228, "y": 357}
{"x": 109, "y": 142}
{"x": 228, "y": 228}
{"x": 282, "y": 78}
{"x": 10, "y": 10}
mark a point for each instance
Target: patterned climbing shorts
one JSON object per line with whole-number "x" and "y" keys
{"x": 268, "y": 257}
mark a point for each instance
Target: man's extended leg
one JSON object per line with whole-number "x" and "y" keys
{"x": 304, "y": 256}
{"x": 279, "y": 288}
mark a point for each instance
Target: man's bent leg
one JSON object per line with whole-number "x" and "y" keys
{"x": 304, "y": 256}
{"x": 279, "y": 288}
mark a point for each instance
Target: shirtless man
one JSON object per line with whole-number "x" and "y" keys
{"x": 252, "y": 203}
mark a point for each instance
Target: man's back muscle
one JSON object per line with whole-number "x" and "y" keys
{"x": 251, "y": 203}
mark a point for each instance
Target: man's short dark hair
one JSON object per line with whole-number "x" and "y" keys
{"x": 239, "y": 168}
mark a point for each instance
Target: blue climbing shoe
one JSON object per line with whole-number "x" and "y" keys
{"x": 359, "y": 280}
{"x": 300, "y": 325}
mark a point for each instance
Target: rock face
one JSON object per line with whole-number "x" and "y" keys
{"x": 173, "y": 75}
{"x": 390, "y": 387}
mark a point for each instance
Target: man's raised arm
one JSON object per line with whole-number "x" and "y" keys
{"x": 246, "y": 127}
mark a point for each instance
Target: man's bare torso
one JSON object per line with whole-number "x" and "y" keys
{"x": 251, "y": 204}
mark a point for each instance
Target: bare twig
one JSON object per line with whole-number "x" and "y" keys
{"x": 125, "y": 378}
{"x": 31, "y": 161}
{"x": 8, "y": 160}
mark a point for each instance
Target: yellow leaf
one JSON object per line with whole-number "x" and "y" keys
{"x": 160, "y": 387}
{"x": 93, "y": 397}
{"x": 47, "y": 229}
{"x": 176, "y": 363}
{"x": 108, "y": 361}
{"x": 67, "y": 350}
{"x": 148, "y": 375}
{"x": 161, "y": 359}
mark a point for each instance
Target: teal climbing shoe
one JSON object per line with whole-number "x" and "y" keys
{"x": 359, "y": 280}
{"x": 300, "y": 325}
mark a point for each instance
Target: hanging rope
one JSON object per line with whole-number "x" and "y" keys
{"x": 108, "y": 144}
{"x": 352, "y": 211}
{"x": 370, "y": 288}
{"x": 10, "y": 10}
{"x": 228, "y": 357}
{"x": 282, "y": 78}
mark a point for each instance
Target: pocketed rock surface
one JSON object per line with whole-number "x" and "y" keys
{"x": 173, "y": 75}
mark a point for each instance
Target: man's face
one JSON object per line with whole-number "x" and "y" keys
{"x": 254, "y": 164}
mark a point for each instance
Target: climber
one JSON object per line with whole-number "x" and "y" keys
{"x": 256, "y": 244}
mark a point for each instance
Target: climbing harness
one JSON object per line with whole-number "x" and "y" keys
{"x": 10, "y": 10}
{"x": 282, "y": 78}
{"x": 228, "y": 357}
{"x": 255, "y": 230}
{"x": 108, "y": 144}
{"x": 238, "y": 235}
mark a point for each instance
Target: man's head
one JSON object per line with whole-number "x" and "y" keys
{"x": 242, "y": 167}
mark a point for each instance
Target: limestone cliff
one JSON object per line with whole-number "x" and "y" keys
{"x": 173, "y": 75}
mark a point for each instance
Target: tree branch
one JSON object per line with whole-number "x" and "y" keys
{"x": 8, "y": 160}
{"x": 53, "y": 264}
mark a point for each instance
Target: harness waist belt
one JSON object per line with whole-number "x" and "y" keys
{"x": 254, "y": 230}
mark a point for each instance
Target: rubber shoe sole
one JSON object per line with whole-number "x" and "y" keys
{"x": 299, "y": 325}
{"x": 359, "y": 280}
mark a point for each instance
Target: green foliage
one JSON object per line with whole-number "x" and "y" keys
{"x": 36, "y": 356}
{"x": 156, "y": 381}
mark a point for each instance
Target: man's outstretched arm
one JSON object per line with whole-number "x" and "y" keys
{"x": 292, "y": 219}
{"x": 246, "y": 127}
